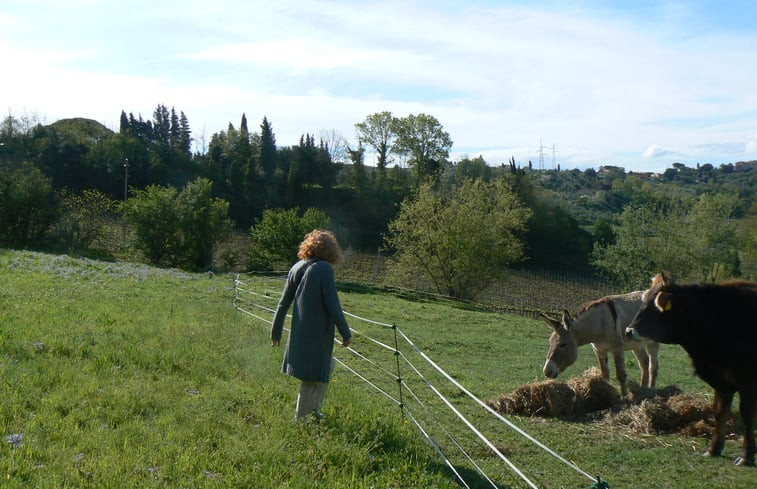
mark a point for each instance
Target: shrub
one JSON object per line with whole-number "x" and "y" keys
{"x": 458, "y": 238}
{"x": 27, "y": 202}
{"x": 275, "y": 237}
{"x": 83, "y": 218}
{"x": 179, "y": 229}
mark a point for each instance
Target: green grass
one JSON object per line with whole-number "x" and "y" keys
{"x": 120, "y": 375}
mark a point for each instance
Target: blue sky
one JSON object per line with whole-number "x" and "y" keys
{"x": 637, "y": 84}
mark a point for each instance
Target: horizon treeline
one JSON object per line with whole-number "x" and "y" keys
{"x": 571, "y": 209}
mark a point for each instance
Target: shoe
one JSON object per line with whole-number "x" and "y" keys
{"x": 319, "y": 415}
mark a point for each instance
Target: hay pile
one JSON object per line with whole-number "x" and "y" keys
{"x": 589, "y": 397}
{"x": 549, "y": 399}
{"x": 552, "y": 398}
{"x": 685, "y": 414}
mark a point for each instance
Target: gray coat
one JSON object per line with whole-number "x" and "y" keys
{"x": 310, "y": 285}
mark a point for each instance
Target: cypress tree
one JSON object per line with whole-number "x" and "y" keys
{"x": 124, "y": 127}
{"x": 267, "y": 150}
{"x": 185, "y": 135}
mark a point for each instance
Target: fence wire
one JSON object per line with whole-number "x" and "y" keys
{"x": 379, "y": 364}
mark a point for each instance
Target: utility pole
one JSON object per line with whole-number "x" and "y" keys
{"x": 126, "y": 176}
{"x": 554, "y": 159}
{"x": 541, "y": 155}
{"x": 126, "y": 187}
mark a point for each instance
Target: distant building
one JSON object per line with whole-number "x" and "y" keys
{"x": 645, "y": 176}
{"x": 745, "y": 166}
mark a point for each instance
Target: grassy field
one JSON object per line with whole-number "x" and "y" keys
{"x": 121, "y": 375}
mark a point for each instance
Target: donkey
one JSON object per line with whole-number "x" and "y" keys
{"x": 602, "y": 323}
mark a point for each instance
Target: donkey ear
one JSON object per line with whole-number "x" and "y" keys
{"x": 567, "y": 320}
{"x": 554, "y": 323}
{"x": 665, "y": 280}
{"x": 663, "y": 301}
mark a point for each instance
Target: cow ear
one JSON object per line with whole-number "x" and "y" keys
{"x": 567, "y": 321}
{"x": 554, "y": 323}
{"x": 663, "y": 301}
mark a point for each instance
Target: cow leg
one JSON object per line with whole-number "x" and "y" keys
{"x": 620, "y": 370}
{"x": 748, "y": 408}
{"x": 722, "y": 406}
{"x": 643, "y": 359}
{"x": 653, "y": 349}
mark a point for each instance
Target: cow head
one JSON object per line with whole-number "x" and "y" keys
{"x": 657, "y": 302}
{"x": 563, "y": 349}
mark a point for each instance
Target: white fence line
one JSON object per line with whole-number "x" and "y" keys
{"x": 245, "y": 303}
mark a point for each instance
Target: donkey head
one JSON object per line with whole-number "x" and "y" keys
{"x": 563, "y": 349}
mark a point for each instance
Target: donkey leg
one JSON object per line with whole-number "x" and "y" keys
{"x": 748, "y": 408}
{"x": 643, "y": 359}
{"x": 722, "y": 406}
{"x": 603, "y": 366}
{"x": 653, "y": 349}
{"x": 620, "y": 370}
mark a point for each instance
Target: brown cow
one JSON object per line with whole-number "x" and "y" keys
{"x": 717, "y": 326}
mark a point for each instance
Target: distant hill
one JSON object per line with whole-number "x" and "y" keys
{"x": 82, "y": 128}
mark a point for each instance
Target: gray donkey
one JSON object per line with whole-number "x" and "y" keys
{"x": 602, "y": 323}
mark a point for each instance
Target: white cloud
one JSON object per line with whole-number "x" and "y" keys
{"x": 751, "y": 146}
{"x": 298, "y": 54}
{"x": 656, "y": 151}
{"x": 597, "y": 85}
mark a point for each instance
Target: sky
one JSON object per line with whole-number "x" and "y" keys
{"x": 637, "y": 84}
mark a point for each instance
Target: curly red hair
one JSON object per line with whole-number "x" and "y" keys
{"x": 321, "y": 245}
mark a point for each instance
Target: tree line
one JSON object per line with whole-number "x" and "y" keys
{"x": 54, "y": 177}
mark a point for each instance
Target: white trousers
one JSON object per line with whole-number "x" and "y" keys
{"x": 311, "y": 398}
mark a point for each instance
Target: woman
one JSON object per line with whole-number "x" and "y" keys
{"x": 310, "y": 285}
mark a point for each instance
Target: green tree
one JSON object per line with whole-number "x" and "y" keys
{"x": 267, "y": 150}
{"x": 603, "y": 232}
{"x": 693, "y": 240}
{"x": 203, "y": 223}
{"x": 297, "y": 174}
{"x": 648, "y": 239}
{"x": 377, "y": 132}
{"x": 178, "y": 229}
{"x": 152, "y": 214}
{"x": 83, "y": 219}
{"x": 184, "y": 135}
{"x": 266, "y": 158}
{"x": 160, "y": 145}
{"x": 27, "y": 205}
{"x": 326, "y": 169}
{"x": 216, "y": 164}
{"x": 423, "y": 139}
{"x": 712, "y": 237}
{"x": 359, "y": 178}
{"x": 748, "y": 240}
{"x": 458, "y": 238}
{"x": 473, "y": 169}
{"x": 554, "y": 240}
{"x": 275, "y": 237}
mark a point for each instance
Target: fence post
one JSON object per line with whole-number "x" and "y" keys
{"x": 374, "y": 280}
{"x": 236, "y": 290}
{"x": 399, "y": 373}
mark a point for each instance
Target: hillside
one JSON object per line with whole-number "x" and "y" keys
{"x": 87, "y": 130}
{"x": 120, "y": 375}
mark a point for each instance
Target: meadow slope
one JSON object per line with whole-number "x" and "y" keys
{"x": 121, "y": 375}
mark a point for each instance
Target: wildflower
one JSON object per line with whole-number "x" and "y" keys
{"x": 15, "y": 439}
